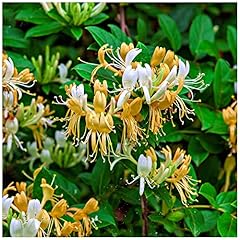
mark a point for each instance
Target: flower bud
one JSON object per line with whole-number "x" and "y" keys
{"x": 99, "y": 102}
{"x": 144, "y": 166}
{"x": 157, "y": 56}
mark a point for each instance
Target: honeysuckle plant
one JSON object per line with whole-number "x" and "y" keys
{"x": 124, "y": 129}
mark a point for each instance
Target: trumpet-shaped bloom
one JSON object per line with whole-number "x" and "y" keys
{"x": 144, "y": 167}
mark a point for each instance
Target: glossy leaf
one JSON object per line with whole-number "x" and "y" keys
{"x": 232, "y": 41}
{"x": 171, "y": 31}
{"x": 209, "y": 192}
{"x": 227, "y": 225}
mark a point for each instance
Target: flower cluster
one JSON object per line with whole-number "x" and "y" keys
{"x": 36, "y": 116}
{"x": 74, "y": 13}
{"x": 30, "y": 217}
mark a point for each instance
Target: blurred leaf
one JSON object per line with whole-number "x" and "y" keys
{"x": 171, "y": 31}
{"x": 103, "y": 37}
{"x": 96, "y": 19}
{"x": 175, "y": 216}
{"x": 44, "y": 29}
{"x": 119, "y": 34}
{"x": 130, "y": 195}
{"x": 14, "y": 37}
{"x": 141, "y": 29}
{"x": 206, "y": 47}
{"x": 225, "y": 201}
{"x": 100, "y": 177}
{"x": 197, "y": 152}
{"x": 200, "y": 30}
{"x": 232, "y": 41}
{"x": 77, "y": 32}
{"x": 32, "y": 14}
{"x": 210, "y": 220}
{"x": 194, "y": 220}
{"x": 223, "y": 89}
{"x": 227, "y": 225}
{"x": 209, "y": 192}
{"x": 211, "y": 142}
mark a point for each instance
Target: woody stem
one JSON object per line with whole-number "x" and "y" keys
{"x": 144, "y": 216}
{"x": 122, "y": 21}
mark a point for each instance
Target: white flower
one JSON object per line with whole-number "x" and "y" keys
{"x": 129, "y": 80}
{"x": 144, "y": 168}
{"x": 145, "y": 80}
{"x": 18, "y": 228}
{"x": 6, "y": 203}
{"x": 27, "y": 226}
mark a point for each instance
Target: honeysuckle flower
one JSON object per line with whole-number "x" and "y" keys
{"x": 10, "y": 102}
{"x": 6, "y": 203}
{"x": 179, "y": 178}
{"x": 230, "y": 118}
{"x": 99, "y": 123}
{"x": 14, "y": 81}
{"x": 20, "y": 228}
{"x": 27, "y": 225}
{"x": 36, "y": 117}
{"x": 145, "y": 80}
{"x": 10, "y": 130}
{"x": 83, "y": 215}
{"x": 144, "y": 167}
{"x": 124, "y": 57}
{"x": 74, "y": 13}
{"x": 129, "y": 115}
{"x": 77, "y": 106}
{"x": 129, "y": 81}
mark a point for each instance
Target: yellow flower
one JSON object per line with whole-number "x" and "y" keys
{"x": 10, "y": 187}
{"x": 82, "y": 214}
{"x": 179, "y": 179}
{"x": 130, "y": 116}
{"x": 230, "y": 118}
{"x": 99, "y": 123}
{"x": 21, "y": 186}
{"x": 77, "y": 104}
{"x": 59, "y": 209}
{"x": 21, "y": 202}
{"x": 67, "y": 229}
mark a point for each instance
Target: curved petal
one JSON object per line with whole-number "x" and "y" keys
{"x": 31, "y": 228}
{"x": 159, "y": 93}
{"x": 146, "y": 94}
{"x": 129, "y": 78}
{"x": 34, "y": 207}
{"x": 141, "y": 186}
{"x": 131, "y": 55}
{"x": 125, "y": 95}
{"x": 6, "y": 203}
{"x": 16, "y": 228}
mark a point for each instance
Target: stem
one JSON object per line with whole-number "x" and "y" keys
{"x": 203, "y": 206}
{"x": 144, "y": 216}
{"x": 122, "y": 21}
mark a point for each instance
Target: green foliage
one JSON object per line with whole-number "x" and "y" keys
{"x": 205, "y": 34}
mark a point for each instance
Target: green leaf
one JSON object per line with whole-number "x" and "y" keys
{"x": 211, "y": 120}
{"x": 20, "y": 62}
{"x": 223, "y": 89}
{"x": 197, "y": 152}
{"x": 96, "y": 19}
{"x": 69, "y": 190}
{"x": 209, "y": 192}
{"x": 210, "y": 220}
{"x": 207, "y": 47}
{"x": 129, "y": 195}
{"x": 119, "y": 34}
{"x": 171, "y": 31}
{"x": 212, "y": 143}
{"x": 227, "y": 225}
{"x": 14, "y": 37}
{"x": 175, "y": 216}
{"x": 200, "y": 30}
{"x": 33, "y": 15}
{"x": 232, "y": 41}
{"x": 141, "y": 29}
{"x": 102, "y": 37}
{"x": 145, "y": 55}
{"x": 85, "y": 71}
{"x": 105, "y": 215}
{"x": 44, "y": 29}
{"x": 225, "y": 200}
{"x": 194, "y": 220}
{"x": 100, "y": 177}
{"x": 46, "y": 88}
{"x": 77, "y": 32}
